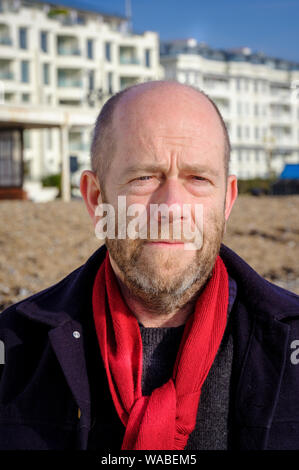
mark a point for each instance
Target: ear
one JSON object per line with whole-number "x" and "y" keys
{"x": 91, "y": 192}
{"x": 231, "y": 194}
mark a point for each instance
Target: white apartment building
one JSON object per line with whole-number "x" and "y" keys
{"x": 62, "y": 58}
{"x": 258, "y": 97}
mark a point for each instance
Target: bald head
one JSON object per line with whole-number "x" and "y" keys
{"x": 151, "y": 105}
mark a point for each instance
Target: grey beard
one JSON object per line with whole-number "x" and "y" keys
{"x": 162, "y": 300}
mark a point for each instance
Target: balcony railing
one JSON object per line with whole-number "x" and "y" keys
{"x": 129, "y": 61}
{"x": 79, "y": 146}
{"x": 216, "y": 86}
{"x": 4, "y": 75}
{"x": 283, "y": 139}
{"x": 68, "y": 82}
{"x": 283, "y": 117}
{"x": 68, "y": 51}
{"x": 5, "y": 41}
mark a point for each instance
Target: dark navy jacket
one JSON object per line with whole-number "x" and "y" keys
{"x": 45, "y": 383}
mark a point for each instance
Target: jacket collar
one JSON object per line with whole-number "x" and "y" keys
{"x": 67, "y": 299}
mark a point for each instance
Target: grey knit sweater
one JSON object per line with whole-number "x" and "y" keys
{"x": 160, "y": 346}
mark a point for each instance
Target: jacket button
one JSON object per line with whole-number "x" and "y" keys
{"x": 76, "y": 334}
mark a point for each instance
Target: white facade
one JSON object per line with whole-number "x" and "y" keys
{"x": 257, "y": 96}
{"x": 63, "y": 58}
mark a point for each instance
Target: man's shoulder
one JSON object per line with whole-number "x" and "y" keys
{"x": 42, "y": 295}
{"x": 257, "y": 292}
{"x": 63, "y": 296}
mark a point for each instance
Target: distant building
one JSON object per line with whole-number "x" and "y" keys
{"x": 69, "y": 61}
{"x": 257, "y": 95}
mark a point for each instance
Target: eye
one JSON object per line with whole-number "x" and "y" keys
{"x": 143, "y": 178}
{"x": 198, "y": 178}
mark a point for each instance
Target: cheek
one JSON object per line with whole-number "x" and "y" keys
{"x": 213, "y": 219}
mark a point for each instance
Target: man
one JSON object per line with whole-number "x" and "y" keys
{"x": 151, "y": 345}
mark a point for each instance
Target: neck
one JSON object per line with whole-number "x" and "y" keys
{"x": 163, "y": 312}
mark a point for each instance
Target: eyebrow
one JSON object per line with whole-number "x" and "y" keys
{"x": 193, "y": 168}
{"x": 151, "y": 168}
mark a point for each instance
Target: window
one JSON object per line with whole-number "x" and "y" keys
{"x": 239, "y": 132}
{"x": 49, "y": 139}
{"x": 240, "y": 155}
{"x": 44, "y": 41}
{"x": 257, "y": 155}
{"x": 25, "y": 97}
{"x": 24, "y": 71}
{"x": 110, "y": 83}
{"x": 147, "y": 57}
{"x": 256, "y": 109}
{"x": 23, "y": 38}
{"x": 257, "y": 133}
{"x": 239, "y": 108}
{"x": 74, "y": 164}
{"x": 247, "y": 131}
{"x": 10, "y": 158}
{"x": 238, "y": 83}
{"x": 227, "y": 125}
{"x": 46, "y": 74}
{"x": 108, "y": 51}
{"x": 69, "y": 102}
{"x": 90, "y": 48}
{"x": 81, "y": 19}
{"x": 27, "y": 139}
{"x": 91, "y": 79}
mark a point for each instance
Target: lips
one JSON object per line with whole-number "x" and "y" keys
{"x": 165, "y": 242}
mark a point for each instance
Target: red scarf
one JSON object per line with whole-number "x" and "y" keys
{"x": 163, "y": 420}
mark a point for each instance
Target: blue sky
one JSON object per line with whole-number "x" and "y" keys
{"x": 271, "y": 26}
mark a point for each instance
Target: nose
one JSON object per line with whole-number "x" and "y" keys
{"x": 171, "y": 194}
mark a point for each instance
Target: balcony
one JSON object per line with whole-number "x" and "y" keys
{"x": 5, "y": 41}
{"x": 128, "y": 56}
{"x": 70, "y": 82}
{"x": 5, "y": 36}
{"x": 123, "y": 60}
{"x": 68, "y": 51}
{"x": 281, "y": 118}
{"x": 68, "y": 46}
{"x": 127, "y": 81}
{"x": 75, "y": 146}
{"x": 282, "y": 136}
{"x": 6, "y": 75}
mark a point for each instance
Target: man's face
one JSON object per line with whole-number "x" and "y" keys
{"x": 170, "y": 150}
